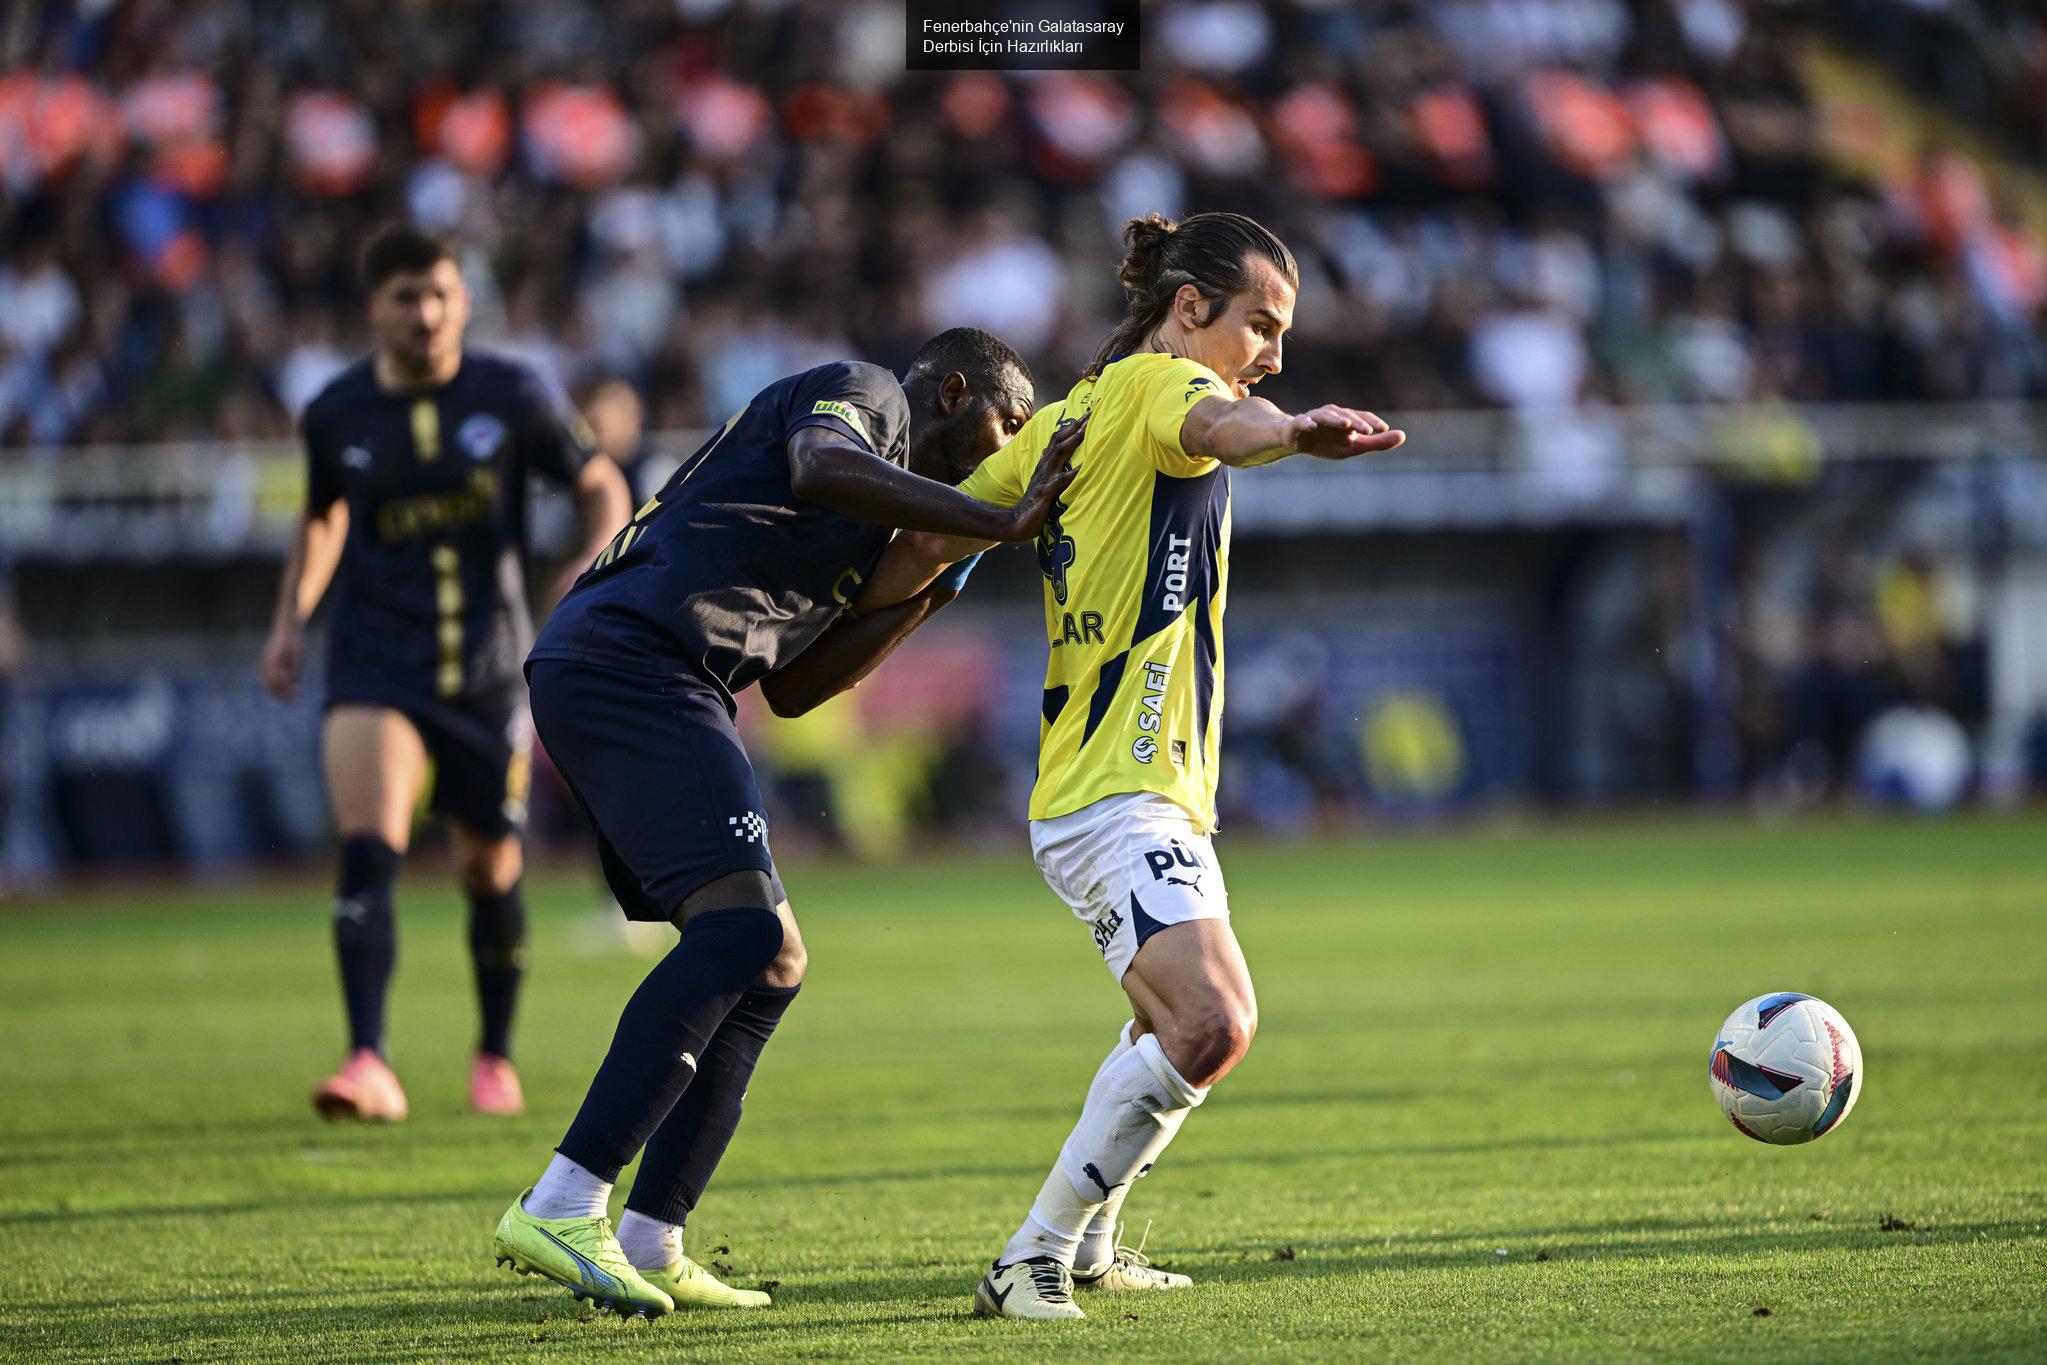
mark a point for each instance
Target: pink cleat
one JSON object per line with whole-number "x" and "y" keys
{"x": 365, "y": 1088}
{"x": 494, "y": 1086}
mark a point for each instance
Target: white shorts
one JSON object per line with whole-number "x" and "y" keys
{"x": 1129, "y": 865}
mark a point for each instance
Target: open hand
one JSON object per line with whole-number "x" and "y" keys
{"x": 1055, "y": 472}
{"x": 1333, "y": 433}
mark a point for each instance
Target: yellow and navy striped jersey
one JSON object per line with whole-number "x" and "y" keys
{"x": 1136, "y": 561}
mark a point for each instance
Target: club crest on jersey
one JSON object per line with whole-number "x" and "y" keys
{"x": 1056, "y": 552}
{"x": 481, "y": 436}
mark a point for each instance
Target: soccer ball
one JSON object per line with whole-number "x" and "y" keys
{"x": 1786, "y": 1068}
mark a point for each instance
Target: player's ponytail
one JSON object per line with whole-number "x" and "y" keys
{"x": 1144, "y": 245}
{"x": 1210, "y": 251}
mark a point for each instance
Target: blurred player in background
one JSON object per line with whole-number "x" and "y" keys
{"x": 418, "y": 462}
{"x": 734, "y": 573}
{"x": 1136, "y": 563}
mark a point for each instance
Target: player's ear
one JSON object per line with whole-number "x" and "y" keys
{"x": 953, "y": 393}
{"x": 1192, "y": 309}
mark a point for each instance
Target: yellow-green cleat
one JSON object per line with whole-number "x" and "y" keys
{"x": 580, "y": 1253}
{"x": 692, "y": 1286}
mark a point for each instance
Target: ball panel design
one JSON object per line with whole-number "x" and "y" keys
{"x": 1785, "y": 1068}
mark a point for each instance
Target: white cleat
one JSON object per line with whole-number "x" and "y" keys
{"x": 1131, "y": 1269}
{"x": 1126, "y": 1274}
{"x": 1039, "y": 1289}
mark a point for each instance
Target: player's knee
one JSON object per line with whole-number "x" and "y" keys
{"x": 748, "y": 938}
{"x": 786, "y": 971}
{"x": 490, "y": 869}
{"x": 497, "y": 927}
{"x": 1215, "y": 1040}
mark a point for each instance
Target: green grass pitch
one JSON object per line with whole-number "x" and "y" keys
{"x": 1476, "y": 1123}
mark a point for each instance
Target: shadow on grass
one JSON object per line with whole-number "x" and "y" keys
{"x": 487, "y": 1321}
{"x": 228, "y": 1208}
{"x": 488, "y": 1318}
{"x": 1622, "y": 1240}
{"x": 1023, "y": 1170}
{"x": 45, "y": 1145}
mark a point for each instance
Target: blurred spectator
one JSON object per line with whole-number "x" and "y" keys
{"x": 1542, "y": 205}
{"x": 13, "y": 660}
{"x": 617, "y": 421}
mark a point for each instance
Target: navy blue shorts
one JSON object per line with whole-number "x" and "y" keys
{"x": 482, "y": 750}
{"x": 657, "y": 765}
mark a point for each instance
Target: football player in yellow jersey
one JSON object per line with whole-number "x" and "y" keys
{"x": 1136, "y": 563}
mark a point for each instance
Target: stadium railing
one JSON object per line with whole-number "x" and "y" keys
{"x": 1460, "y": 468}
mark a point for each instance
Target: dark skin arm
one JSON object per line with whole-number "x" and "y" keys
{"x": 846, "y": 653}
{"x": 825, "y": 470}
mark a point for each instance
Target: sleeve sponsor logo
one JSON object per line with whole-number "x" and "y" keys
{"x": 832, "y": 407}
{"x": 1196, "y": 387}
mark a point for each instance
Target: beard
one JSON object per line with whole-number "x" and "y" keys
{"x": 959, "y": 451}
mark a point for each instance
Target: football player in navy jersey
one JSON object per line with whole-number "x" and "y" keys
{"x": 740, "y": 569}
{"x": 418, "y": 460}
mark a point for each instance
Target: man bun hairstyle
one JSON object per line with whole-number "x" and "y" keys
{"x": 402, "y": 249}
{"x": 1211, "y": 251}
{"x": 984, "y": 358}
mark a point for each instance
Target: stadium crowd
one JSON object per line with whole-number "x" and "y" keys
{"x": 1527, "y": 205}
{"x": 1531, "y": 204}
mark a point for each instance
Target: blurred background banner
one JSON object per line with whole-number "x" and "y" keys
{"x": 1716, "y": 327}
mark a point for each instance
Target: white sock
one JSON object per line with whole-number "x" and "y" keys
{"x": 1097, "y": 1250}
{"x": 1123, "y": 1045}
{"x": 566, "y": 1190}
{"x": 1122, "y": 1127}
{"x": 1102, "y": 1230}
{"x": 649, "y": 1243}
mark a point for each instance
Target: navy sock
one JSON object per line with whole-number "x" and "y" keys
{"x": 366, "y": 935}
{"x": 497, "y": 950}
{"x": 663, "y": 1032}
{"x": 687, "y": 1146}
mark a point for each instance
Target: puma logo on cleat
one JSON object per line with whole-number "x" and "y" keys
{"x": 1092, "y": 1174}
{"x": 585, "y": 1267}
{"x": 1001, "y": 1299}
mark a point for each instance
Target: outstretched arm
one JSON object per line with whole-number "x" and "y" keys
{"x": 1251, "y": 431}
{"x": 848, "y": 652}
{"x": 915, "y": 558}
{"x": 911, "y": 561}
{"x": 825, "y": 470}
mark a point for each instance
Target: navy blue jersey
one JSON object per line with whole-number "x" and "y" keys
{"x": 430, "y": 599}
{"x": 725, "y": 573}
